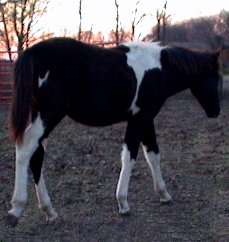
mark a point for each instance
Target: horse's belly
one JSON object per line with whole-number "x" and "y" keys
{"x": 97, "y": 117}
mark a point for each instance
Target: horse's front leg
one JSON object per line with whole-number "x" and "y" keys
{"x": 129, "y": 154}
{"x": 24, "y": 152}
{"x": 153, "y": 159}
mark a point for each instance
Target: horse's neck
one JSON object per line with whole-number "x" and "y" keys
{"x": 175, "y": 85}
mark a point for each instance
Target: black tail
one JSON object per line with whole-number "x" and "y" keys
{"x": 23, "y": 96}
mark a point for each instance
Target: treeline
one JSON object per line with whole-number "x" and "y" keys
{"x": 203, "y": 32}
{"x": 210, "y": 31}
{"x": 19, "y": 18}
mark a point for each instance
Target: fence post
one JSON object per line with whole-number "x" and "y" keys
{"x": 6, "y": 69}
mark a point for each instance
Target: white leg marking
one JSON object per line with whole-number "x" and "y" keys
{"x": 44, "y": 202}
{"x": 24, "y": 152}
{"x": 153, "y": 161}
{"x": 44, "y": 79}
{"x": 123, "y": 182}
{"x": 44, "y": 144}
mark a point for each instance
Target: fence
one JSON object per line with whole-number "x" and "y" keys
{"x": 6, "y": 83}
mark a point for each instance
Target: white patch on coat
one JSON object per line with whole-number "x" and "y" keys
{"x": 123, "y": 182}
{"x": 142, "y": 57}
{"x": 44, "y": 79}
{"x": 24, "y": 152}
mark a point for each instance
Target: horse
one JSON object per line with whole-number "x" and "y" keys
{"x": 99, "y": 86}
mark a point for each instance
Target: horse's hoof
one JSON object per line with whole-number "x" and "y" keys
{"x": 168, "y": 202}
{"x": 124, "y": 211}
{"x": 52, "y": 219}
{"x": 12, "y": 220}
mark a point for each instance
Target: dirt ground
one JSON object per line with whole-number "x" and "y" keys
{"x": 82, "y": 168}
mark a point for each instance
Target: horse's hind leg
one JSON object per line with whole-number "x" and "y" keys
{"x": 123, "y": 182}
{"x": 44, "y": 202}
{"x": 24, "y": 152}
{"x": 153, "y": 159}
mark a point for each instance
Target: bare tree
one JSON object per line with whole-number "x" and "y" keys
{"x": 158, "y": 16}
{"x": 5, "y": 32}
{"x": 122, "y": 35}
{"x": 202, "y": 32}
{"x": 87, "y": 36}
{"x": 136, "y": 21}
{"x": 117, "y": 22}
{"x": 80, "y": 23}
{"x": 165, "y": 19}
{"x": 98, "y": 37}
{"x": 162, "y": 20}
{"x": 222, "y": 26}
{"x": 119, "y": 34}
{"x": 19, "y": 18}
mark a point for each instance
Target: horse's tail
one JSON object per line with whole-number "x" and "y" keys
{"x": 23, "y": 96}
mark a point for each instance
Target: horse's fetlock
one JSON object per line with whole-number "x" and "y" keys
{"x": 18, "y": 203}
{"x": 50, "y": 213}
{"x": 160, "y": 189}
{"x": 51, "y": 216}
{"x": 122, "y": 203}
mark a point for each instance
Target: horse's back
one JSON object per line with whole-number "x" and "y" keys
{"x": 94, "y": 85}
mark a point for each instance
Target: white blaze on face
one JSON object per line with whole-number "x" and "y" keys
{"x": 44, "y": 79}
{"x": 142, "y": 57}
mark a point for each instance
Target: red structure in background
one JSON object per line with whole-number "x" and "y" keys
{"x": 6, "y": 83}
{"x": 6, "y": 71}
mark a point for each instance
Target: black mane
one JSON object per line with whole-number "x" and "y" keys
{"x": 188, "y": 62}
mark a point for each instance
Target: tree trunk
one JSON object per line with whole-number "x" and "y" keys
{"x": 6, "y": 33}
{"x": 117, "y": 23}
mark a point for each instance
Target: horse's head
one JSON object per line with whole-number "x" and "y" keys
{"x": 198, "y": 71}
{"x": 207, "y": 86}
{"x": 208, "y": 91}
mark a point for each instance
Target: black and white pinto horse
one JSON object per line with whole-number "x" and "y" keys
{"x": 97, "y": 87}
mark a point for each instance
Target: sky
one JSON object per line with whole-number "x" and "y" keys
{"x": 62, "y": 15}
